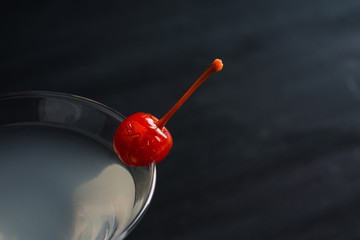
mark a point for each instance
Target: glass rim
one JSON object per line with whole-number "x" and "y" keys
{"x": 56, "y": 94}
{"x": 152, "y": 167}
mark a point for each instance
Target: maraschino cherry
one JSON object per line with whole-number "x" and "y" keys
{"x": 142, "y": 138}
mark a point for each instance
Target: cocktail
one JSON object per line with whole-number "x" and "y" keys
{"x": 61, "y": 174}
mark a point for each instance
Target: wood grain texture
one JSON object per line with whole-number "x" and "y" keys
{"x": 269, "y": 148}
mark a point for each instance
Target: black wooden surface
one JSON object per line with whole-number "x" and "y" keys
{"x": 269, "y": 148}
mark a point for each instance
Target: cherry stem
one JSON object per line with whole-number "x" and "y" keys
{"x": 214, "y": 67}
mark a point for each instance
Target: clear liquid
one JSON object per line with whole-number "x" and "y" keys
{"x": 59, "y": 184}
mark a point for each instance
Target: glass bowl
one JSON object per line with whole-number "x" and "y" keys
{"x": 59, "y": 175}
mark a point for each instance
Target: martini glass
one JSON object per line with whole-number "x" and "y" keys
{"x": 59, "y": 175}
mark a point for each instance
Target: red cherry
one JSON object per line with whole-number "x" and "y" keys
{"x": 139, "y": 141}
{"x": 142, "y": 138}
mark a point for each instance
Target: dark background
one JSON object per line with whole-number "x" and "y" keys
{"x": 269, "y": 148}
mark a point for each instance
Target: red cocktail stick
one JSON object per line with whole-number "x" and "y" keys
{"x": 216, "y": 66}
